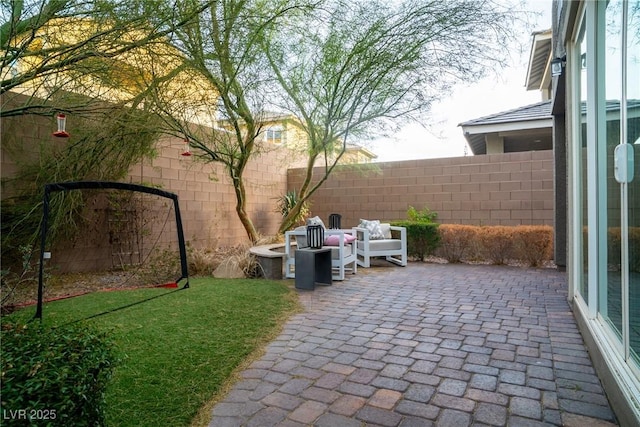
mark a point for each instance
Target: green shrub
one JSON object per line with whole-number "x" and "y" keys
{"x": 56, "y": 376}
{"x": 425, "y": 215}
{"x": 422, "y": 238}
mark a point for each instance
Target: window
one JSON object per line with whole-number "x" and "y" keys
{"x": 274, "y": 135}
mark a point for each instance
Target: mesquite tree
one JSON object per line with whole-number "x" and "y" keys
{"x": 222, "y": 47}
{"x": 352, "y": 68}
{"x": 342, "y": 68}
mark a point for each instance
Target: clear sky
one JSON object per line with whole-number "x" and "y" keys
{"x": 467, "y": 102}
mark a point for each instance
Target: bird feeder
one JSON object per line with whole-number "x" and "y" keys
{"x": 187, "y": 150}
{"x": 62, "y": 122}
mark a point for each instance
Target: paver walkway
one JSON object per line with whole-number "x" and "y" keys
{"x": 428, "y": 344}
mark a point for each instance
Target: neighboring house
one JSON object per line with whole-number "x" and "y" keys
{"x": 525, "y": 128}
{"x": 595, "y": 95}
{"x": 357, "y": 154}
{"x": 118, "y": 75}
{"x": 286, "y": 131}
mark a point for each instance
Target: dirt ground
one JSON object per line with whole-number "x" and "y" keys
{"x": 68, "y": 285}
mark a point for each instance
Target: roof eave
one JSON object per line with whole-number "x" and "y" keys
{"x": 539, "y": 56}
{"x": 546, "y": 122}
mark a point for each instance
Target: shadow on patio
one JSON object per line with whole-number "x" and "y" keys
{"x": 428, "y": 344}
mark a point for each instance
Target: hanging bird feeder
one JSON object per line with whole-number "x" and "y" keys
{"x": 187, "y": 150}
{"x": 62, "y": 122}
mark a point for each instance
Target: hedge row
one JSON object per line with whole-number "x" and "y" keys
{"x": 54, "y": 376}
{"x": 530, "y": 244}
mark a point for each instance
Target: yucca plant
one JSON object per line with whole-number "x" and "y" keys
{"x": 287, "y": 201}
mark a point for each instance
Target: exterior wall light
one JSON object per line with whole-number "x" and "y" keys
{"x": 557, "y": 66}
{"x": 62, "y": 121}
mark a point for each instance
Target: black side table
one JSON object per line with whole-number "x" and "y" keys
{"x": 313, "y": 266}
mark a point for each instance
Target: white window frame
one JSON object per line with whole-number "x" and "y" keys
{"x": 269, "y": 134}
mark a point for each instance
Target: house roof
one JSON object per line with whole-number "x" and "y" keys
{"x": 539, "y": 60}
{"x": 523, "y": 128}
{"x": 537, "y": 111}
{"x": 351, "y": 147}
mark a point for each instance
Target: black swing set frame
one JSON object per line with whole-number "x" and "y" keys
{"x": 93, "y": 185}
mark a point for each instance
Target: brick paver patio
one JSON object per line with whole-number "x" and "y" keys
{"x": 428, "y": 344}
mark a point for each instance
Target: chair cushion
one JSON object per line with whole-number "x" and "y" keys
{"x": 335, "y": 252}
{"x": 382, "y": 245}
{"x": 302, "y": 240}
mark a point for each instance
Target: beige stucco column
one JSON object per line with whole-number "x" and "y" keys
{"x": 495, "y": 143}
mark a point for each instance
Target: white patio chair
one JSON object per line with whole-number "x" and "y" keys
{"x": 393, "y": 249}
{"x": 343, "y": 254}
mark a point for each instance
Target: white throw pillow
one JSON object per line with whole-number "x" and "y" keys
{"x": 374, "y": 227}
{"x": 316, "y": 221}
{"x": 386, "y": 230}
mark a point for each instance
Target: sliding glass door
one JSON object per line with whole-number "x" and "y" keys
{"x": 605, "y": 78}
{"x": 632, "y": 120}
{"x": 617, "y": 151}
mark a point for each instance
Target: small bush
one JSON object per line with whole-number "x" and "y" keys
{"x": 534, "y": 243}
{"x": 422, "y": 238}
{"x": 60, "y": 374}
{"x": 457, "y": 242}
{"x": 496, "y": 243}
{"x": 162, "y": 266}
{"x": 425, "y": 215}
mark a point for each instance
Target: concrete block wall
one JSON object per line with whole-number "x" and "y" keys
{"x": 495, "y": 189}
{"x": 207, "y": 205}
{"x": 206, "y": 196}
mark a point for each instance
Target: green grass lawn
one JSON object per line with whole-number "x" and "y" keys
{"x": 178, "y": 350}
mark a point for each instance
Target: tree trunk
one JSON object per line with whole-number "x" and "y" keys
{"x": 289, "y": 220}
{"x": 238, "y": 186}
